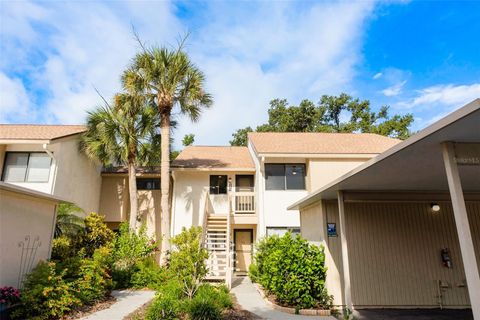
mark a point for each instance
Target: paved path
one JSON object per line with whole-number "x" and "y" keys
{"x": 127, "y": 302}
{"x": 249, "y": 298}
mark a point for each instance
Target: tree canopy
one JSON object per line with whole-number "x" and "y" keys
{"x": 340, "y": 113}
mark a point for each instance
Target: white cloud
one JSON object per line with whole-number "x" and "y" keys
{"x": 394, "y": 90}
{"x": 13, "y": 99}
{"x": 377, "y": 75}
{"x": 445, "y": 94}
{"x": 250, "y": 53}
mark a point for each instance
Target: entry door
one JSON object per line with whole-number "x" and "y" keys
{"x": 243, "y": 249}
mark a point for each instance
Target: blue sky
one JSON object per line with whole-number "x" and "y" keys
{"x": 420, "y": 57}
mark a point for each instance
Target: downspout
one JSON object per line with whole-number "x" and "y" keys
{"x": 54, "y": 178}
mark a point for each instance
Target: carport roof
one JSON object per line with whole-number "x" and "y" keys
{"x": 415, "y": 164}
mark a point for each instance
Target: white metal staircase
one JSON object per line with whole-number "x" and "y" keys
{"x": 216, "y": 242}
{"x": 216, "y": 239}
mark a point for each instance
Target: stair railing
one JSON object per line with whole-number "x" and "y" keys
{"x": 204, "y": 223}
{"x": 228, "y": 273}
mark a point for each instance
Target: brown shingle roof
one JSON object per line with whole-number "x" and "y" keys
{"x": 330, "y": 143}
{"x": 214, "y": 157}
{"x": 38, "y": 131}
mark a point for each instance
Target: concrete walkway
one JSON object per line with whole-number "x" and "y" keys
{"x": 127, "y": 302}
{"x": 249, "y": 298}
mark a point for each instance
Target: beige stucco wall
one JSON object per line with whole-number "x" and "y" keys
{"x": 115, "y": 204}
{"x": 394, "y": 252}
{"x": 73, "y": 176}
{"x": 77, "y": 178}
{"x": 323, "y": 171}
{"x": 190, "y": 195}
{"x": 23, "y": 217}
{"x": 114, "y": 200}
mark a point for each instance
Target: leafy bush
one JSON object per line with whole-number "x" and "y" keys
{"x": 218, "y": 295}
{"x": 9, "y": 296}
{"x": 62, "y": 248}
{"x": 148, "y": 274}
{"x": 163, "y": 308}
{"x": 187, "y": 259}
{"x": 130, "y": 250}
{"x": 293, "y": 270}
{"x": 168, "y": 303}
{"x": 204, "y": 309}
{"x": 253, "y": 272}
{"x": 95, "y": 235}
{"x": 46, "y": 295}
{"x": 94, "y": 281}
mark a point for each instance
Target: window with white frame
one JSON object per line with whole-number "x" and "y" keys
{"x": 26, "y": 167}
{"x": 284, "y": 176}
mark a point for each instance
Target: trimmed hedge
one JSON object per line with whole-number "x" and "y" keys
{"x": 293, "y": 270}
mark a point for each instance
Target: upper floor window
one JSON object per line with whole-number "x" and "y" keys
{"x": 218, "y": 184}
{"x": 284, "y": 176}
{"x": 26, "y": 167}
{"x": 148, "y": 184}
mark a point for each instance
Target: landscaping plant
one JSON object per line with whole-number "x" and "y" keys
{"x": 95, "y": 235}
{"x": 293, "y": 270}
{"x": 129, "y": 254}
{"x": 9, "y": 296}
{"x": 46, "y": 295}
{"x": 187, "y": 259}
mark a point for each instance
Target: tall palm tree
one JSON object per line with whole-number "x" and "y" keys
{"x": 172, "y": 81}
{"x": 124, "y": 134}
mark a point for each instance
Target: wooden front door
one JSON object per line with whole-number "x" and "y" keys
{"x": 243, "y": 239}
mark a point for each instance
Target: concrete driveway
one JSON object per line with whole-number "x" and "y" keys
{"x": 414, "y": 314}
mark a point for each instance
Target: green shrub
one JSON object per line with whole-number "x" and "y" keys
{"x": 218, "y": 295}
{"x": 130, "y": 250}
{"x": 168, "y": 303}
{"x": 94, "y": 281}
{"x": 148, "y": 274}
{"x": 45, "y": 294}
{"x": 62, "y": 248}
{"x": 293, "y": 270}
{"x": 95, "y": 235}
{"x": 163, "y": 308}
{"x": 173, "y": 288}
{"x": 253, "y": 272}
{"x": 202, "y": 309}
{"x": 187, "y": 259}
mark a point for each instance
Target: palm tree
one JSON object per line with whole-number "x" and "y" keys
{"x": 69, "y": 221}
{"x": 172, "y": 81}
{"x": 124, "y": 134}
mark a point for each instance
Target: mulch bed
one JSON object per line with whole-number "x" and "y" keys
{"x": 84, "y": 311}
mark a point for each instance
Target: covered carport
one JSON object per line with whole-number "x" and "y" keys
{"x": 403, "y": 229}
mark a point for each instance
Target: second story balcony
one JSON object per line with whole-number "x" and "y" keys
{"x": 243, "y": 200}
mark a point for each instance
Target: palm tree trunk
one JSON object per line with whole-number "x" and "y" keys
{"x": 165, "y": 184}
{"x": 132, "y": 190}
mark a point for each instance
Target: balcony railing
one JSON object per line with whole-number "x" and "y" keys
{"x": 243, "y": 202}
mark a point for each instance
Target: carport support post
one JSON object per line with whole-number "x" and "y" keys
{"x": 463, "y": 228}
{"x": 343, "y": 238}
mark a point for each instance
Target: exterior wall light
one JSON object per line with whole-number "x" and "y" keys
{"x": 435, "y": 207}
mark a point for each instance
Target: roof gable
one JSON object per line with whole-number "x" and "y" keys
{"x": 38, "y": 131}
{"x": 214, "y": 157}
{"x": 320, "y": 142}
